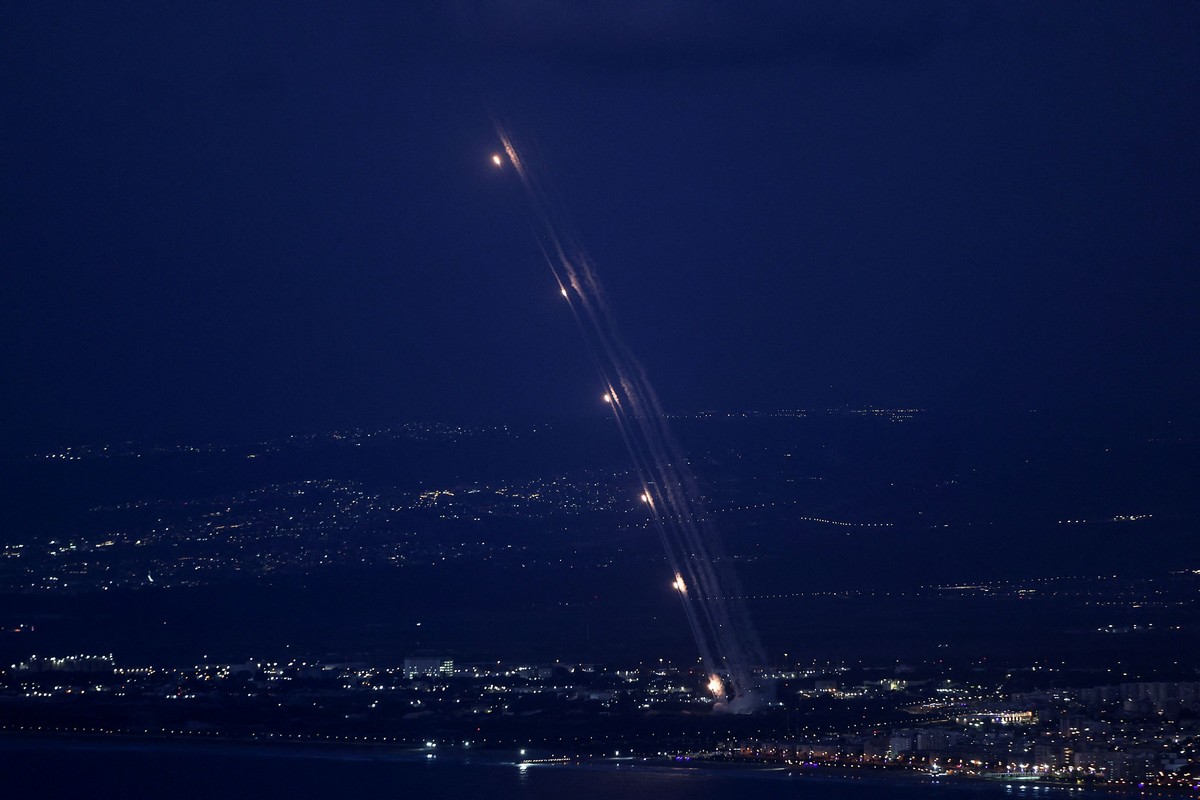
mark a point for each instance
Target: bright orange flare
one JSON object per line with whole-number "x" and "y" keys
{"x": 715, "y": 686}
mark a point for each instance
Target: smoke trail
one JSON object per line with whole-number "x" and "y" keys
{"x": 728, "y": 646}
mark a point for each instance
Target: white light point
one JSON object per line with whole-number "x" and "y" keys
{"x": 608, "y": 398}
{"x": 715, "y": 686}
{"x": 497, "y": 160}
{"x": 563, "y": 289}
{"x": 678, "y": 585}
{"x": 646, "y": 498}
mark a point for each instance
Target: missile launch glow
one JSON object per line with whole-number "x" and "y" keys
{"x": 728, "y": 645}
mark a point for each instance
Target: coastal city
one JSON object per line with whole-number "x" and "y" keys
{"x": 1039, "y": 724}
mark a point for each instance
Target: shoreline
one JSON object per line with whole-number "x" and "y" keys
{"x": 255, "y": 747}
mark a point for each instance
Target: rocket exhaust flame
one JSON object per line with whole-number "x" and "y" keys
{"x": 728, "y": 645}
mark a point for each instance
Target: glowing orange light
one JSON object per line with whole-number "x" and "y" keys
{"x": 678, "y": 584}
{"x": 715, "y": 686}
{"x": 497, "y": 160}
{"x": 608, "y": 398}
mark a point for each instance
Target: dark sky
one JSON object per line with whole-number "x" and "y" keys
{"x": 231, "y": 218}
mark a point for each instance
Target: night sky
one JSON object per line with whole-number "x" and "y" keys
{"x": 241, "y": 219}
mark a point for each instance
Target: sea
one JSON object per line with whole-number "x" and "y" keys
{"x": 96, "y": 769}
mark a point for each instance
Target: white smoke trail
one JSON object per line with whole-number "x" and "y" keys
{"x": 728, "y": 645}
